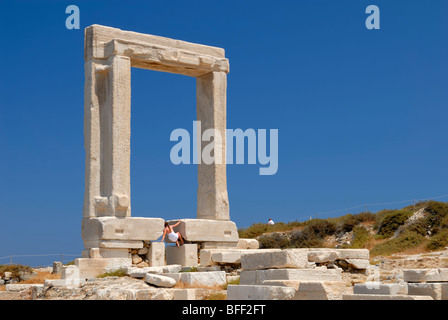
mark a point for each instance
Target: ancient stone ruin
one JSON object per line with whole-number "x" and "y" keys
{"x": 108, "y": 230}
{"x": 114, "y": 240}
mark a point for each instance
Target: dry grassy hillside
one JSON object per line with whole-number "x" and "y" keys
{"x": 414, "y": 229}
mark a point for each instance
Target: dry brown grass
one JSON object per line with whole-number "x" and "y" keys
{"x": 38, "y": 279}
{"x": 216, "y": 296}
{"x": 416, "y": 250}
{"x": 372, "y": 242}
{"x": 41, "y": 277}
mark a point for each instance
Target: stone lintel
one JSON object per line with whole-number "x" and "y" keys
{"x": 154, "y": 52}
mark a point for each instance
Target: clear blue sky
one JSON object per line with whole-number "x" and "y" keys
{"x": 361, "y": 113}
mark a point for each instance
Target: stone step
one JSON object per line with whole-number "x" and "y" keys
{"x": 380, "y": 288}
{"x": 438, "y": 291}
{"x": 20, "y": 287}
{"x": 280, "y": 259}
{"x": 210, "y": 257}
{"x": 206, "y": 279}
{"x": 259, "y": 292}
{"x": 313, "y": 290}
{"x": 425, "y": 275}
{"x": 256, "y": 277}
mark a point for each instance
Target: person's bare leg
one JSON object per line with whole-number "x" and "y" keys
{"x": 180, "y": 237}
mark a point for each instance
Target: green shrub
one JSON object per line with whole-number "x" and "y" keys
{"x": 380, "y": 216}
{"x": 366, "y": 216}
{"x": 274, "y": 240}
{"x": 405, "y": 241}
{"x": 439, "y": 241}
{"x": 437, "y": 215}
{"x": 305, "y": 239}
{"x": 192, "y": 269}
{"x": 347, "y": 223}
{"x": 15, "y": 269}
{"x": 216, "y": 296}
{"x": 320, "y": 228}
{"x": 419, "y": 226}
{"x": 234, "y": 282}
{"x": 114, "y": 273}
{"x": 361, "y": 236}
{"x": 392, "y": 221}
{"x": 255, "y": 230}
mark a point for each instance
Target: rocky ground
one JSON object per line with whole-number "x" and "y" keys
{"x": 114, "y": 288}
{"x": 394, "y": 265}
{"x": 386, "y": 269}
{"x": 390, "y": 269}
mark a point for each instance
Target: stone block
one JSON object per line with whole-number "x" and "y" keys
{"x": 145, "y": 250}
{"x": 185, "y": 255}
{"x": 172, "y": 268}
{"x": 312, "y": 290}
{"x": 267, "y": 259}
{"x": 383, "y": 297}
{"x": 17, "y": 287}
{"x": 425, "y": 275}
{"x": 256, "y": 277}
{"x": 380, "y": 288}
{"x": 136, "y": 272}
{"x": 438, "y": 291}
{"x": 206, "y": 279}
{"x": 123, "y": 229}
{"x": 358, "y": 263}
{"x": 57, "y": 267}
{"x": 210, "y": 257}
{"x": 184, "y": 294}
{"x": 63, "y": 282}
{"x": 159, "y": 280}
{"x": 205, "y": 257}
{"x": 156, "y": 254}
{"x": 218, "y": 245}
{"x": 36, "y": 291}
{"x": 153, "y": 52}
{"x": 259, "y": 292}
{"x": 345, "y": 254}
{"x": 120, "y": 244}
{"x": 248, "y": 244}
{"x": 6, "y": 295}
{"x": 227, "y": 257}
{"x": 90, "y": 268}
{"x": 322, "y": 256}
{"x": 70, "y": 272}
{"x": 205, "y": 230}
{"x": 154, "y": 294}
{"x": 97, "y": 253}
{"x": 136, "y": 259}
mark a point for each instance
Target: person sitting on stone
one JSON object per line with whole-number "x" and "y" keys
{"x": 271, "y": 222}
{"x": 171, "y": 235}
